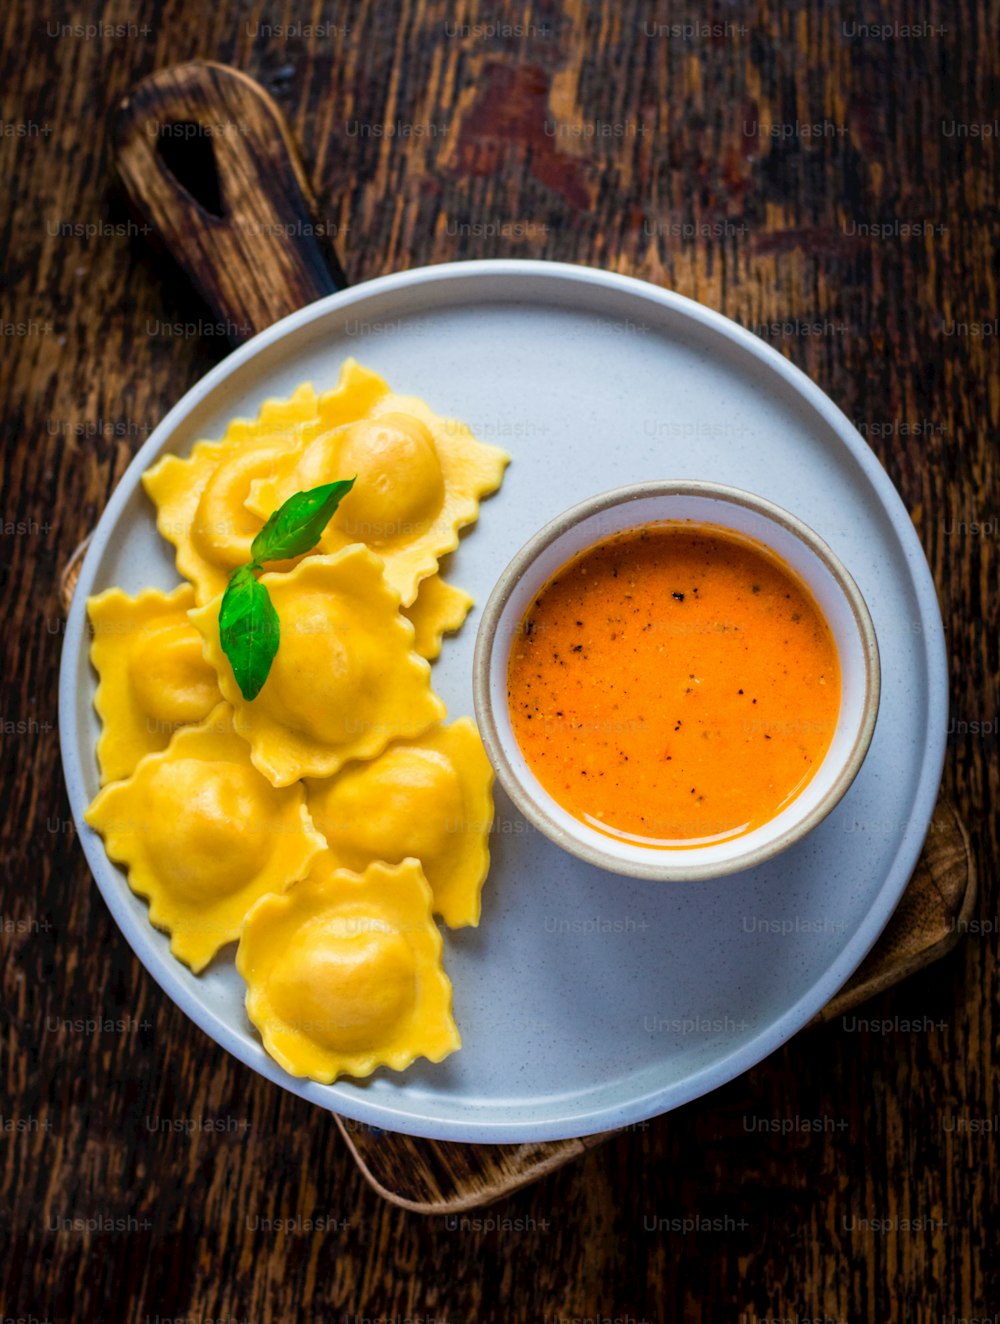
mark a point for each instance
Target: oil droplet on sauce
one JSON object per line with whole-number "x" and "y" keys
{"x": 674, "y": 685}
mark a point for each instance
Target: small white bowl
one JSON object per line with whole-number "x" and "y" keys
{"x": 706, "y": 503}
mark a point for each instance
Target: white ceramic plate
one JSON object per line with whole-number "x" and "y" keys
{"x": 585, "y": 1000}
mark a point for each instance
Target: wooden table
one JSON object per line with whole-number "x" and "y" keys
{"x": 142, "y": 1172}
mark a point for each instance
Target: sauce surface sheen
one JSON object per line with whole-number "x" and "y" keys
{"x": 674, "y": 684}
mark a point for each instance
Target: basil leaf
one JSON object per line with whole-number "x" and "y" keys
{"x": 249, "y": 630}
{"x": 296, "y": 526}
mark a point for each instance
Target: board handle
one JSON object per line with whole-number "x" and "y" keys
{"x": 208, "y": 162}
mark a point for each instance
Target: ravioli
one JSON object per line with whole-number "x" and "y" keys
{"x": 429, "y": 798}
{"x": 207, "y": 800}
{"x": 438, "y": 609}
{"x": 420, "y": 478}
{"x": 204, "y": 835}
{"x": 345, "y": 680}
{"x": 344, "y": 972}
{"x": 200, "y": 499}
{"x": 152, "y": 675}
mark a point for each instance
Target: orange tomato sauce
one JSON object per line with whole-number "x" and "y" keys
{"x": 674, "y": 684}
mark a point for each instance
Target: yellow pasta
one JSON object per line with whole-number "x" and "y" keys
{"x": 152, "y": 675}
{"x": 344, "y": 973}
{"x": 203, "y": 835}
{"x": 325, "y": 822}
{"x": 439, "y": 609}
{"x": 420, "y": 479}
{"x": 345, "y": 680}
{"x": 200, "y": 499}
{"x": 429, "y": 798}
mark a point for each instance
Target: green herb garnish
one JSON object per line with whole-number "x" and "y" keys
{"x": 297, "y": 526}
{"x": 249, "y": 629}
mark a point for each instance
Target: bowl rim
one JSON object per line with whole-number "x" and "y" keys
{"x": 661, "y": 867}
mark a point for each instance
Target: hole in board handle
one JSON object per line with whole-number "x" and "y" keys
{"x": 189, "y": 154}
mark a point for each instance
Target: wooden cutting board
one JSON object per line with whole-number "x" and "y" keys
{"x": 250, "y": 283}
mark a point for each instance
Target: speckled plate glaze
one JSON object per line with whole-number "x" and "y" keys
{"x": 585, "y": 1000}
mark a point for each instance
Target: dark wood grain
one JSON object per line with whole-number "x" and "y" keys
{"x": 767, "y": 230}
